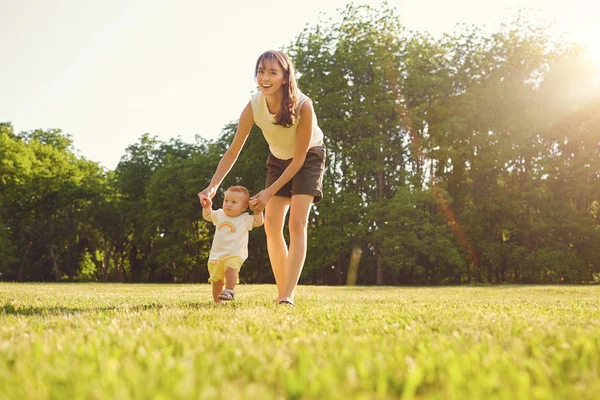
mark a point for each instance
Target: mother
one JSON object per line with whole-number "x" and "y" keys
{"x": 294, "y": 168}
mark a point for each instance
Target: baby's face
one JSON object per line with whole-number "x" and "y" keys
{"x": 235, "y": 203}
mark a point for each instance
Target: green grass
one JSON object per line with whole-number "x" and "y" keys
{"x": 112, "y": 341}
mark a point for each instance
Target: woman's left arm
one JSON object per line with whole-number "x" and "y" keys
{"x": 303, "y": 136}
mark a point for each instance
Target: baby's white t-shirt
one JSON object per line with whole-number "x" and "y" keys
{"x": 231, "y": 235}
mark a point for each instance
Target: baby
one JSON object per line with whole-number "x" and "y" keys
{"x": 229, "y": 248}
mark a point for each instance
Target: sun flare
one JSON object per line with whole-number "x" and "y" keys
{"x": 587, "y": 36}
{"x": 593, "y": 48}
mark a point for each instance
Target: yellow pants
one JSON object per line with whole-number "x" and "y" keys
{"x": 216, "y": 268}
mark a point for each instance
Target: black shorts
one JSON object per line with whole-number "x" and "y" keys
{"x": 309, "y": 180}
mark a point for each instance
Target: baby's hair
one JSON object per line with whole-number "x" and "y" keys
{"x": 240, "y": 189}
{"x": 288, "y": 115}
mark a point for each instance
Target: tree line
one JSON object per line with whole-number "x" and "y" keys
{"x": 471, "y": 158}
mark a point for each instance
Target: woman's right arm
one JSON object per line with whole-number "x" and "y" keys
{"x": 231, "y": 155}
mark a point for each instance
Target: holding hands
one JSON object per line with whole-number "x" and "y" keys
{"x": 257, "y": 203}
{"x": 260, "y": 200}
{"x": 205, "y": 197}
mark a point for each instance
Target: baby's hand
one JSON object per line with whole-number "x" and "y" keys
{"x": 252, "y": 203}
{"x": 205, "y": 201}
{"x": 260, "y": 200}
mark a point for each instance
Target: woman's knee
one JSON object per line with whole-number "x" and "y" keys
{"x": 275, "y": 213}
{"x": 273, "y": 223}
{"x": 297, "y": 225}
{"x": 299, "y": 211}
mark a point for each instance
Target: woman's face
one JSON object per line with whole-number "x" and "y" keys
{"x": 270, "y": 77}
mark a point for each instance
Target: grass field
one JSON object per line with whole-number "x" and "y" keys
{"x": 112, "y": 341}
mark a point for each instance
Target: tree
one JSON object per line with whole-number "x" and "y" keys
{"x": 352, "y": 69}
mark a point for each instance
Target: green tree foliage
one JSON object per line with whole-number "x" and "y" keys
{"x": 472, "y": 121}
{"x": 15, "y": 171}
{"x": 474, "y": 157}
{"x": 47, "y": 198}
{"x": 351, "y": 69}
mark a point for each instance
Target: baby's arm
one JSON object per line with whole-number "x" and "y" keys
{"x": 206, "y": 211}
{"x": 258, "y": 220}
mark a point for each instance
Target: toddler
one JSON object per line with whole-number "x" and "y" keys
{"x": 229, "y": 248}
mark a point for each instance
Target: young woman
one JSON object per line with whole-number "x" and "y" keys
{"x": 294, "y": 168}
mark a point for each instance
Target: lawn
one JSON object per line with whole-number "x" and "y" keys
{"x": 116, "y": 341}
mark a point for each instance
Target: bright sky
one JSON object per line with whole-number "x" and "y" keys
{"x": 108, "y": 71}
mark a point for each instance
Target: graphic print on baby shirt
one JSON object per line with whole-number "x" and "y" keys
{"x": 226, "y": 225}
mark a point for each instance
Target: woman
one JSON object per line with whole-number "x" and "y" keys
{"x": 294, "y": 168}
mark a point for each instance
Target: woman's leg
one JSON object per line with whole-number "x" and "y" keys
{"x": 275, "y": 213}
{"x": 299, "y": 211}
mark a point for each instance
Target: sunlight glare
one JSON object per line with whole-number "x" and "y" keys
{"x": 592, "y": 46}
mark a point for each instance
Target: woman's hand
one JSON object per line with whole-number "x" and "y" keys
{"x": 206, "y": 203}
{"x": 206, "y": 195}
{"x": 259, "y": 202}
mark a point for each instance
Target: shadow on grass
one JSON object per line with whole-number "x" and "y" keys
{"x": 15, "y": 309}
